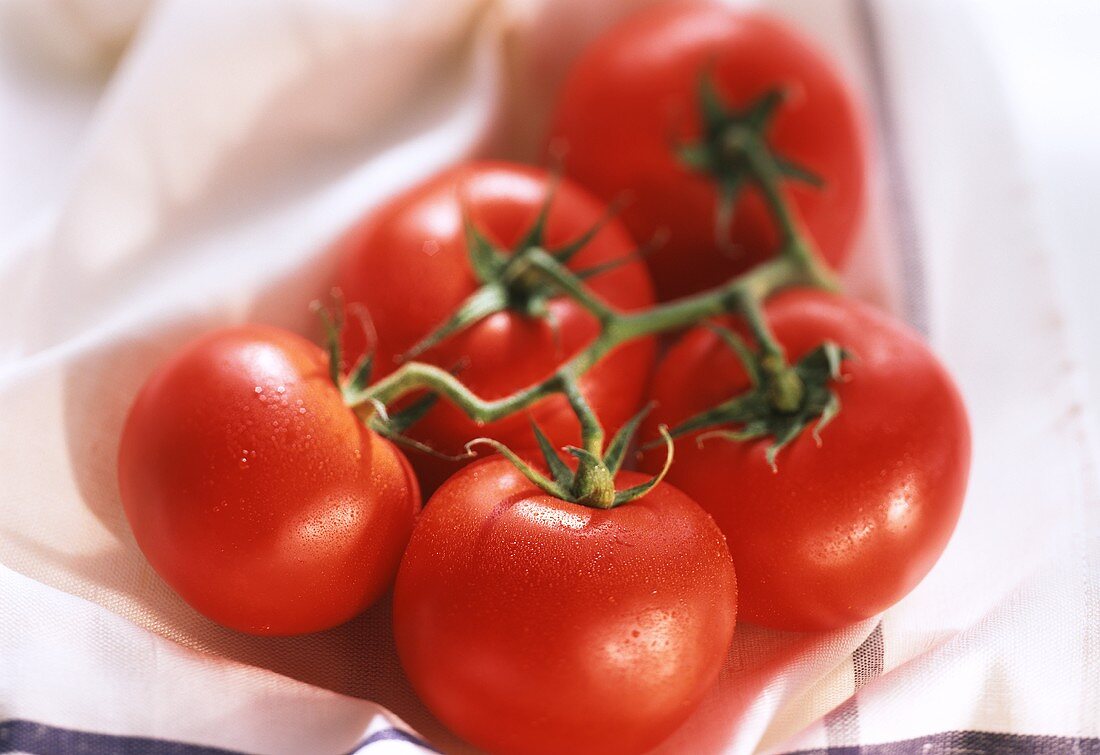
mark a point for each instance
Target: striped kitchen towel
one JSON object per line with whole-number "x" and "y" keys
{"x": 175, "y": 165}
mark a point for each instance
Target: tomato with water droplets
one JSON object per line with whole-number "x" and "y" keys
{"x": 255, "y": 492}
{"x": 840, "y": 530}
{"x": 532, "y": 625}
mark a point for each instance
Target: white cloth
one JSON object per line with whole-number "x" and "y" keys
{"x": 171, "y": 166}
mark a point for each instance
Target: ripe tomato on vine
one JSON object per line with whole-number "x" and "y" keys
{"x": 854, "y": 515}
{"x": 255, "y": 492}
{"x": 654, "y": 111}
{"x": 451, "y": 254}
{"x": 530, "y": 624}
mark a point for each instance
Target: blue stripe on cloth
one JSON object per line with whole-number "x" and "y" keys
{"x": 971, "y": 743}
{"x": 21, "y": 736}
{"x": 41, "y": 739}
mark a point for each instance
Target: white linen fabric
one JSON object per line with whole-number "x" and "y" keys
{"x": 170, "y": 166}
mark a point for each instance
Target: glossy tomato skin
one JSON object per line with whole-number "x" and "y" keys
{"x": 532, "y": 625}
{"x": 841, "y": 531}
{"x": 255, "y": 492}
{"x": 407, "y": 263}
{"x": 633, "y": 95}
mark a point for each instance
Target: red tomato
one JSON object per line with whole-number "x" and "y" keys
{"x": 532, "y": 625}
{"x": 407, "y": 262}
{"x": 634, "y": 95}
{"x": 841, "y": 531}
{"x": 255, "y": 492}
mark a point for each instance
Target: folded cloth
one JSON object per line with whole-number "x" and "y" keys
{"x": 179, "y": 165}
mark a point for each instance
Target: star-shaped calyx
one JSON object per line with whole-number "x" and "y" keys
{"x": 353, "y": 383}
{"x": 722, "y": 151}
{"x": 509, "y": 281}
{"x": 593, "y": 482}
{"x": 780, "y": 403}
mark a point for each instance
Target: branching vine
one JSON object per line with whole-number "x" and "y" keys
{"x": 783, "y": 398}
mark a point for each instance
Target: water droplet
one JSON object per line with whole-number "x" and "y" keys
{"x": 259, "y": 389}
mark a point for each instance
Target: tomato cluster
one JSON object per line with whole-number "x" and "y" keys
{"x": 534, "y": 610}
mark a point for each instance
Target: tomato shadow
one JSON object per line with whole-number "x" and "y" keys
{"x": 99, "y": 387}
{"x": 768, "y": 669}
{"x": 357, "y": 659}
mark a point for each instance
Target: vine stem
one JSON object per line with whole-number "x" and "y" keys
{"x": 796, "y": 264}
{"x": 742, "y": 294}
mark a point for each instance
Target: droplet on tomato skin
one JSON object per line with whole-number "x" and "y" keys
{"x": 247, "y": 454}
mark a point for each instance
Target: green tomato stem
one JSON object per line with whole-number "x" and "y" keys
{"x": 796, "y": 264}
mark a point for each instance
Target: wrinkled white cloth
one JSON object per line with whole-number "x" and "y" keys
{"x": 170, "y": 166}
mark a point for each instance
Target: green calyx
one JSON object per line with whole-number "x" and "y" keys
{"x": 353, "y": 385}
{"x": 511, "y": 279}
{"x": 781, "y": 401}
{"x": 730, "y": 139}
{"x": 593, "y": 482}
